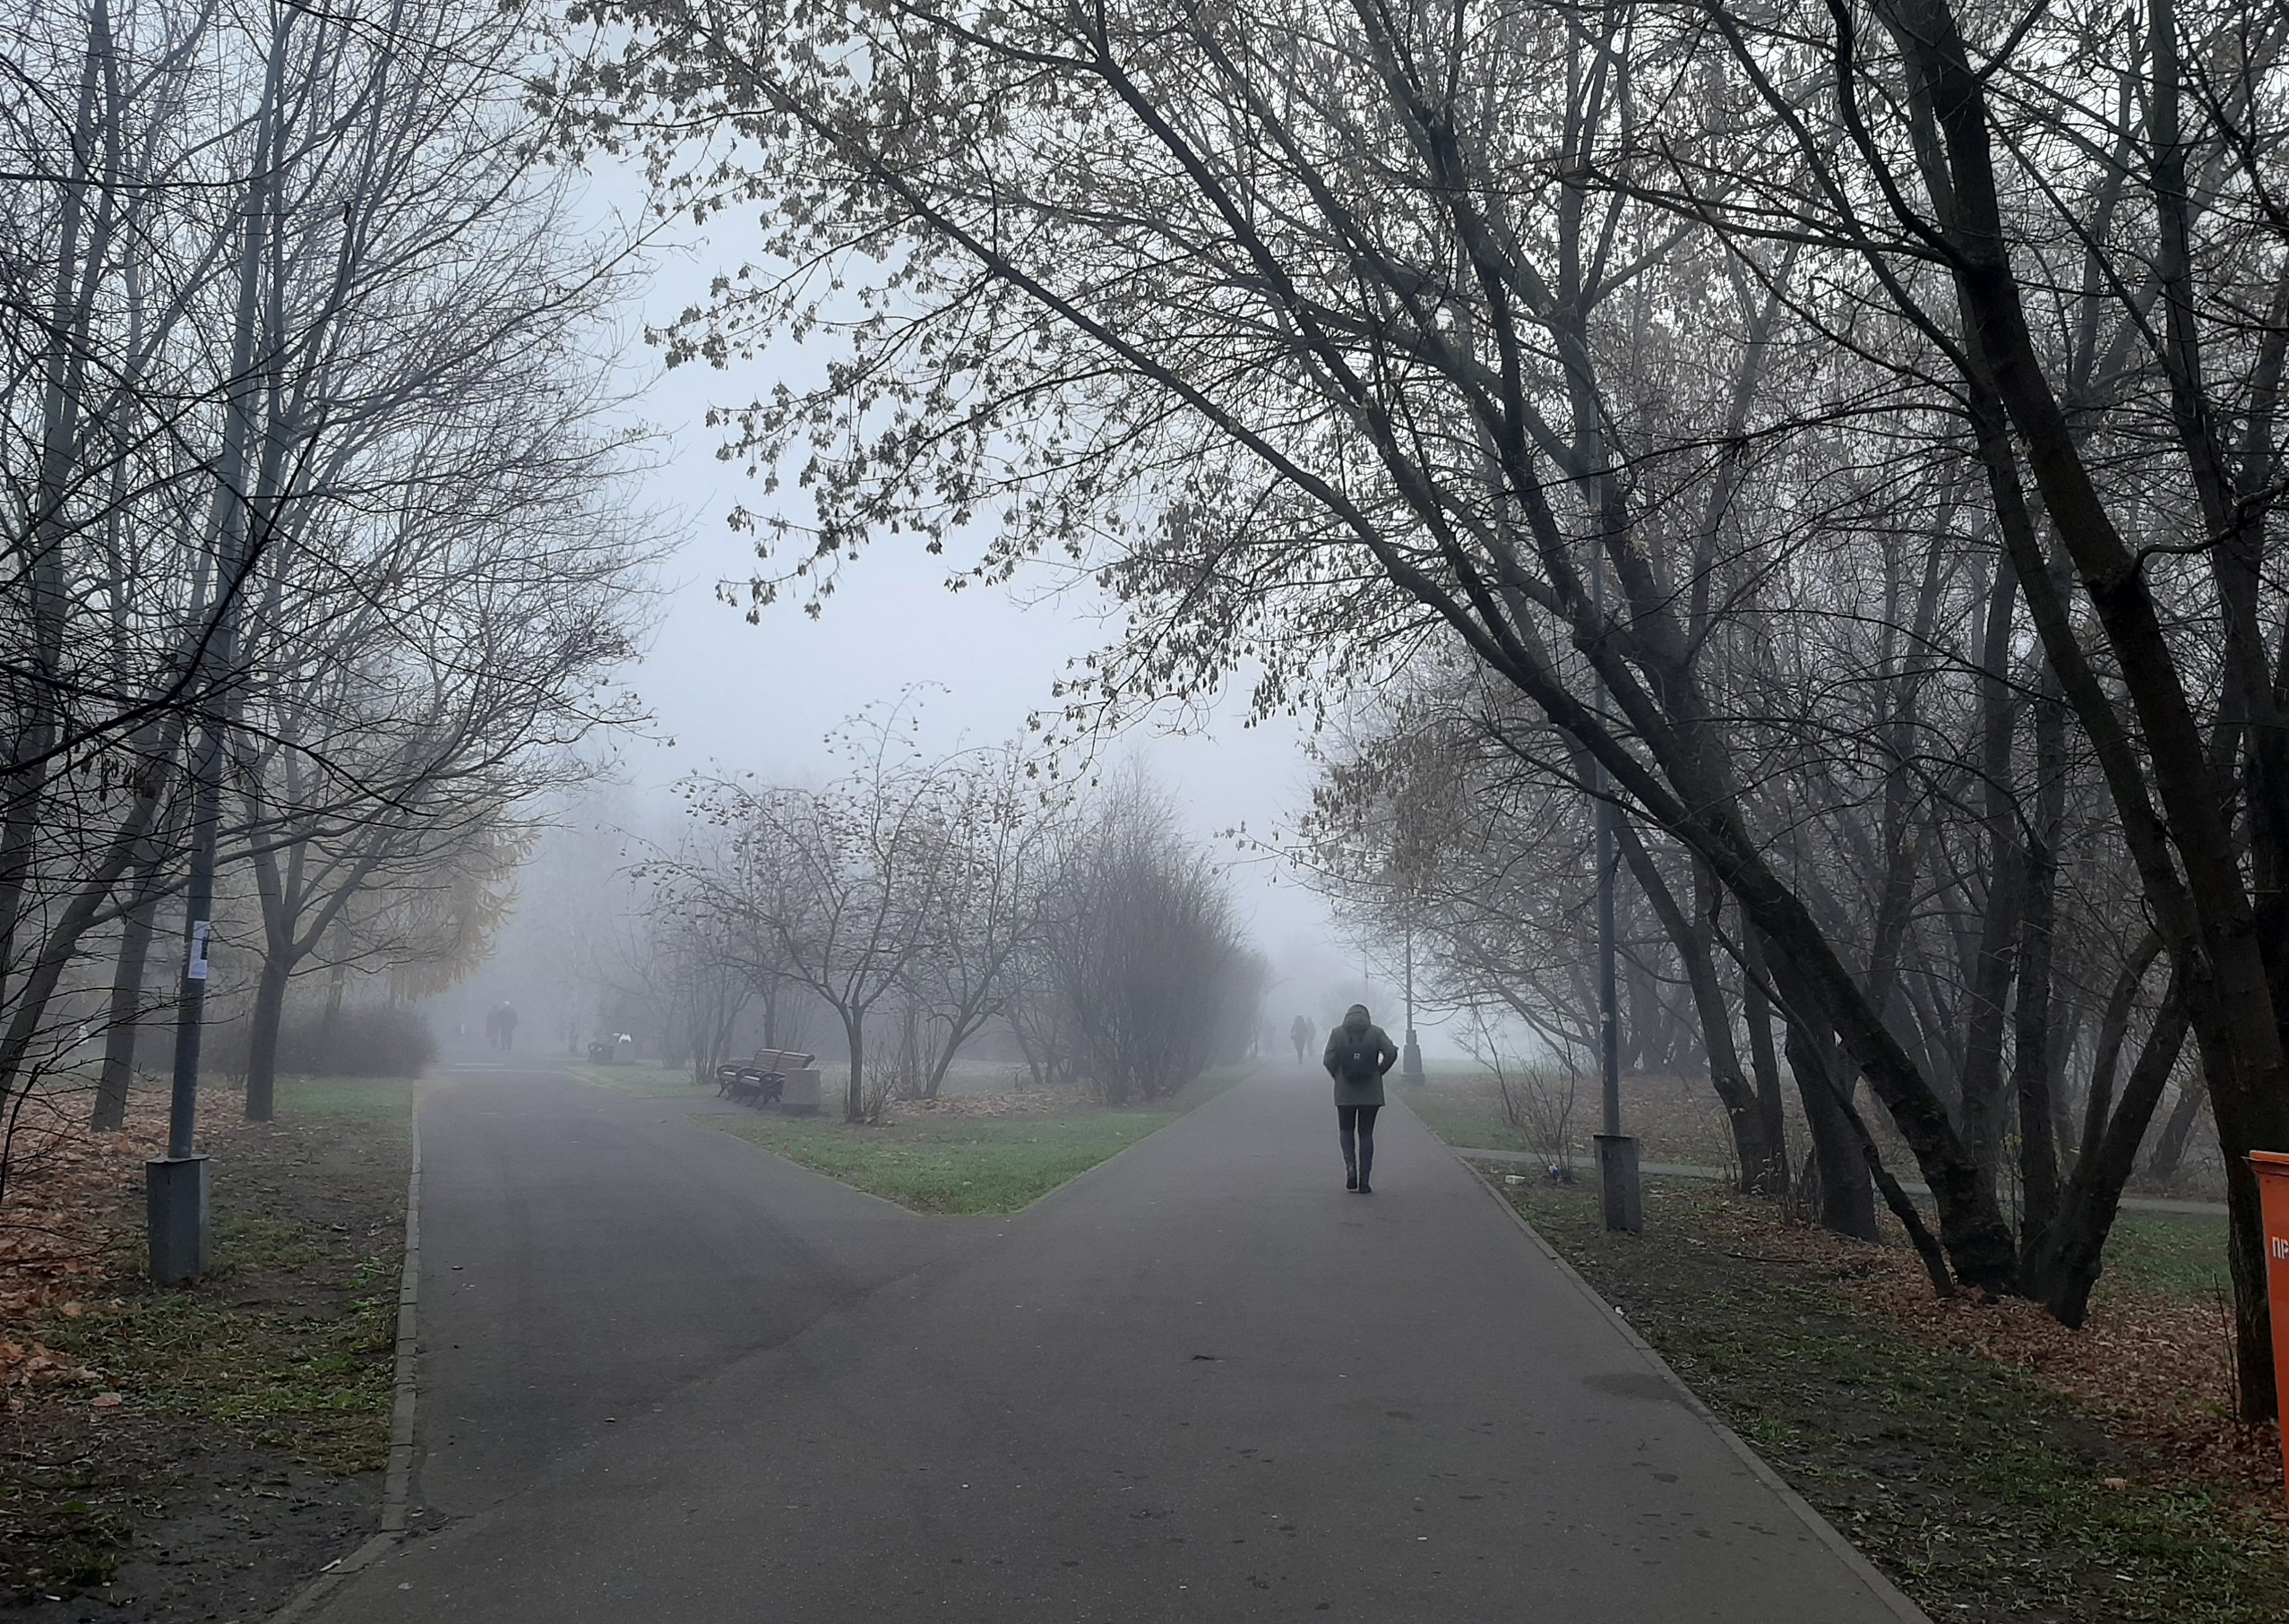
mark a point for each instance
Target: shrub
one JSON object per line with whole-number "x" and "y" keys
{"x": 365, "y": 1040}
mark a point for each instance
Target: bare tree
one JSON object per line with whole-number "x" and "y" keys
{"x": 292, "y": 298}
{"x": 1000, "y": 835}
{"x": 847, "y": 881}
{"x": 1141, "y": 948}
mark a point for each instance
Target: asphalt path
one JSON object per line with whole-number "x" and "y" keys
{"x": 666, "y": 1375}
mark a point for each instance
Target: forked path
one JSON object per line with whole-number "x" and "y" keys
{"x": 668, "y": 1377}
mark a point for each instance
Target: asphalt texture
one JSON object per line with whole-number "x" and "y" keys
{"x": 668, "y": 1376}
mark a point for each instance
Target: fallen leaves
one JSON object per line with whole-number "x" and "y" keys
{"x": 24, "y": 1364}
{"x": 2158, "y": 1367}
{"x": 67, "y": 1189}
{"x": 1021, "y": 1101}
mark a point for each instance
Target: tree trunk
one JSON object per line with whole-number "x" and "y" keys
{"x": 1757, "y": 1012}
{"x": 330, "y": 1021}
{"x": 263, "y": 1038}
{"x": 771, "y": 994}
{"x": 1847, "y": 1195}
{"x": 2062, "y": 1263}
{"x": 853, "y": 1095}
{"x": 1982, "y": 1111}
{"x": 1033, "y": 1064}
{"x": 1642, "y": 1018}
{"x": 2177, "y": 1132}
{"x": 962, "y": 1025}
{"x": 126, "y": 1017}
{"x": 2205, "y": 912}
{"x": 1847, "y": 1190}
{"x": 1760, "y": 1152}
{"x": 2113, "y": 1028}
{"x": 2066, "y": 1107}
{"x": 2034, "y": 1065}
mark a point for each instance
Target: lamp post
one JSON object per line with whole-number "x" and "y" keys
{"x": 1411, "y": 1057}
{"x": 175, "y": 1184}
{"x": 1618, "y": 1187}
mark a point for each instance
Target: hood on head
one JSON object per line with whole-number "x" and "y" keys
{"x": 1356, "y": 1017}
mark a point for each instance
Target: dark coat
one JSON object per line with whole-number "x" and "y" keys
{"x": 1364, "y": 1085}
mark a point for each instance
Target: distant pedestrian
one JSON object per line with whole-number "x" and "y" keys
{"x": 1359, "y": 1053}
{"x": 501, "y": 1024}
{"x": 1300, "y": 1034}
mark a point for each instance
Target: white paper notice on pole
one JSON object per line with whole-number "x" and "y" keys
{"x": 197, "y": 970}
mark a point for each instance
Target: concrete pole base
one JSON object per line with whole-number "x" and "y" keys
{"x": 1617, "y": 1184}
{"x": 1410, "y": 1060}
{"x": 176, "y": 1196}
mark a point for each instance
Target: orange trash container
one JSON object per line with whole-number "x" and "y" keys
{"x": 2273, "y": 1184}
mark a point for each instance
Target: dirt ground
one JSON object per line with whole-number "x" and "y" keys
{"x": 200, "y": 1454}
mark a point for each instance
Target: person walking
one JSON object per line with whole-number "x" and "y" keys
{"x": 1300, "y": 1035}
{"x": 1359, "y": 1053}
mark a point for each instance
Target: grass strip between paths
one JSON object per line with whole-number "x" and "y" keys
{"x": 643, "y": 1082}
{"x": 966, "y": 1165}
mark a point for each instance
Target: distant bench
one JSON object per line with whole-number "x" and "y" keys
{"x": 775, "y": 1077}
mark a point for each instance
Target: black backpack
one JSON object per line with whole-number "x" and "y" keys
{"x": 1358, "y": 1057}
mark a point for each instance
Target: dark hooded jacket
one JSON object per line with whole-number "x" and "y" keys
{"x": 1359, "y": 1053}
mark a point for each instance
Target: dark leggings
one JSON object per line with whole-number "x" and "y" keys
{"x": 1364, "y": 1157}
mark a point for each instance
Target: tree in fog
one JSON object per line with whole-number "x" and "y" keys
{"x": 1000, "y": 837}
{"x": 847, "y": 882}
{"x": 106, "y": 120}
{"x": 686, "y": 957}
{"x": 1140, "y": 948}
{"x": 1475, "y": 333}
{"x": 1452, "y": 814}
{"x": 441, "y": 579}
{"x": 311, "y": 506}
{"x": 2071, "y": 219}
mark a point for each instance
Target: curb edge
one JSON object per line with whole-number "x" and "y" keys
{"x": 397, "y": 1484}
{"x": 1820, "y": 1528}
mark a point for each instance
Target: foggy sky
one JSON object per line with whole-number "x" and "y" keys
{"x": 762, "y": 697}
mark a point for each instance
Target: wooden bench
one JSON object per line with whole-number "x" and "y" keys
{"x": 762, "y": 1080}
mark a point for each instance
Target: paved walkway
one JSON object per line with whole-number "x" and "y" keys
{"x": 668, "y": 1377}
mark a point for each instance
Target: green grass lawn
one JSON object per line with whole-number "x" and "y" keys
{"x": 1674, "y": 1119}
{"x": 646, "y": 1081}
{"x": 288, "y": 1340}
{"x": 2183, "y": 1255}
{"x": 384, "y": 1102}
{"x": 966, "y": 1165}
{"x": 1463, "y": 1112}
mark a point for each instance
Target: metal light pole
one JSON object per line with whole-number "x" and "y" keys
{"x": 1617, "y": 1153}
{"x": 175, "y": 1184}
{"x": 1410, "y": 1060}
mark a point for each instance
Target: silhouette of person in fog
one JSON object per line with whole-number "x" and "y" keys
{"x": 1300, "y": 1035}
